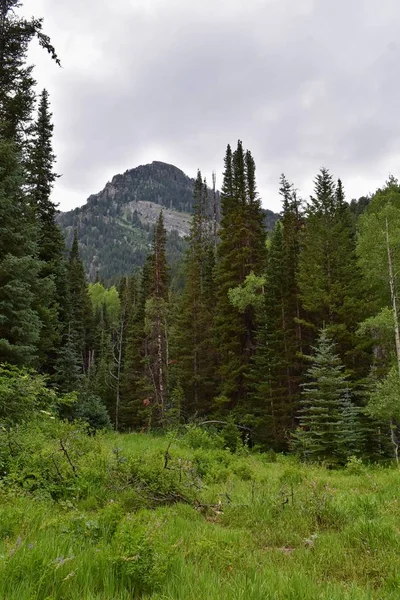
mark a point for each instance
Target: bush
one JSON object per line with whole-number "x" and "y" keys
{"x": 22, "y": 393}
{"x": 354, "y": 466}
{"x": 231, "y": 436}
{"x": 141, "y": 560}
{"x": 94, "y": 413}
{"x": 44, "y": 457}
{"x": 198, "y": 437}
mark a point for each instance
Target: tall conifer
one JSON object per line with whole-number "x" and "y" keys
{"x": 240, "y": 252}
{"x": 192, "y": 343}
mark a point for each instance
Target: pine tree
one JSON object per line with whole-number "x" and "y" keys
{"x": 324, "y": 406}
{"x": 134, "y": 410}
{"x": 41, "y": 178}
{"x": 351, "y": 438}
{"x": 68, "y": 367}
{"x": 100, "y": 378}
{"x": 192, "y": 344}
{"x": 276, "y": 368}
{"x": 156, "y": 328}
{"x": 20, "y": 323}
{"x": 240, "y": 252}
{"x": 127, "y": 295}
{"x": 144, "y": 390}
{"x": 17, "y": 94}
{"x": 80, "y": 313}
{"x": 20, "y": 288}
{"x": 329, "y": 279}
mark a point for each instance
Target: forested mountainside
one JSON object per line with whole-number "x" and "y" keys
{"x": 115, "y": 227}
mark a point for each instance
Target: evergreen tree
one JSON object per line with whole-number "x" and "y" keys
{"x": 127, "y": 295}
{"x": 145, "y": 366}
{"x": 325, "y": 405}
{"x": 80, "y": 313}
{"x": 41, "y": 178}
{"x": 20, "y": 324}
{"x": 276, "y": 367}
{"x": 17, "y": 94}
{"x": 21, "y": 292}
{"x": 329, "y": 279}
{"x": 192, "y": 344}
{"x": 156, "y": 327}
{"x": 240, "y": 252}
{"x": 353, "y": 429}
{"x": 68, "y": 367}
{"x": 100, "y": 379}
{"x": 135, "y": 390}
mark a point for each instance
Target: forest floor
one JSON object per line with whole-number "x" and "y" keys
{"x": 162, "y": 518}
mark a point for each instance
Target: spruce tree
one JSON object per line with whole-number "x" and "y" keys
{"x": 156, "y": 326}
{"x": 51, "y": 245}
{"x": 329, "y": 279}
{"x": 68, "y": 367}
{"x": 240, "y": 252}
{"x": 21, "y": 292}
{"x": 20, "y": 324}
{"x": 135, "y": 390}
{"x": 276, "y": 367}
{"x": 325, "y": 406}
{"x": 144, "y": 382}
{"x": 192, "y": 343}
{"x": 17, "y": 94}
{"x": 80, "y": 312}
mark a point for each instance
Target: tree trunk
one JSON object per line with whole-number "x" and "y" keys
{"x": 392, "y": 284}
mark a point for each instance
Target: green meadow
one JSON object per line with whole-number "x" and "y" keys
{"x": 180, "y": 517}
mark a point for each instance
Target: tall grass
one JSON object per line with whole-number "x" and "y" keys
{"x": 205, "y": 524}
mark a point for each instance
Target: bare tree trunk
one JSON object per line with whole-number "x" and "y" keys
{"x": 160, "y": 368}
{"x": 215, "y": 211}
{"x": 119, "y": 366}
{"x": 393, "y": 296}
{"x": 392, "y": 284}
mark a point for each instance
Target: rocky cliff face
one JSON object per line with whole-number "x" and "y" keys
{"x": 115, "y": 226}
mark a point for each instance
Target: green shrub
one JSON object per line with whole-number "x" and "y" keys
{"x": 22, "y": 393}
{"x": 141, "y": 558}
{"x": 231, "y": 437}
{"x": 354, "y": 466}
{"x": 198, "y": 437}
{"x": 92, "y": 410}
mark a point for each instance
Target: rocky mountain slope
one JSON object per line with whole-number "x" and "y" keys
{"x": 115, "y": 226}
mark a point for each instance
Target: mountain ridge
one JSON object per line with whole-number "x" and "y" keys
{"x": 115, "y": 226}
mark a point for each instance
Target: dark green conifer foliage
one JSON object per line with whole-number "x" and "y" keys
{"x": 276, "y": 368}
{"x": 324, "y": 406}
{"x": 353, "y": 429}
{"x": 17, "y": 93}
{"x": 192, "y": 342}
{"x": 135, "y": 392}
{"x": 21, "y": 292}
{"x": 329, "y": 279}
{"x": 20, "y": 323}
{"x": 101, "y": 382}
{"x": 41, "y": 178}
{"x": 156, "y": 327}
{"x": 80, "y": 313}
{"x": 145, "y": 369}
{"x": 240, "y": 252}
{"x": 68, "y": 366}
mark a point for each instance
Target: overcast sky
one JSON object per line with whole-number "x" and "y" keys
{"x": 304, "y": 84}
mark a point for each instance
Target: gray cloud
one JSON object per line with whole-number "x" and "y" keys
{"x": 303, "y": 84}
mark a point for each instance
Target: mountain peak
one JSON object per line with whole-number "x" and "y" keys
{"x": 115, "y": 226}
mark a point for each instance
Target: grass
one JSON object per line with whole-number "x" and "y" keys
{"x": 210, "y": 525}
